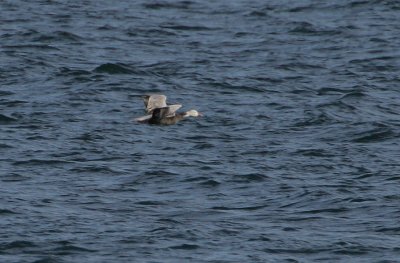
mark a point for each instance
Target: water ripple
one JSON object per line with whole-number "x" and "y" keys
{"x": 295, "y": 160}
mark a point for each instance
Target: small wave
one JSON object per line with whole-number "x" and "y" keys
{"x": 373, "y": 59}
{"x": 359, "y": 3}
{"x": 6, "y": 120}
{"x": 376, "y": 64}
{"x": 338, "y": 105}
{"x": 152, "y": 32}
{"x": 24, "y": 34}
{"x": 6, "y": 212}
{"x": 39, "y": 162}
{"x": 298, "y": 65}
{"x": 71, "y": 249}
{"x": 301, "y": 8}
{"x": 296, "y": 251}
{"x": 204, "y": 145}
{"x": 30, "y": 46}
{"x": 17, "y": 244}
{"x": 268, "y": 80}
{"x": 158, "y": 172}
{"x": 210, "y": 183}
{"x": 314, "y": 153}
{"x": 89, "y": 137}
{"x": 246, "y": 208}
{"x": 47, "y": 260}
{"x": 5, "y": 93}
{"x": 95, "y": 169}
{"x": 13, "y": 103}
{"x": 303, "y": 27}
{"x": 3, "y": 145}
{"x": 257, "y": 13}
{"x": 319, "y": 119}
{"x": 299, "y": 219}
{"x": 365, "y": 175}
{"x": 393, "y": 178}
{"x": 228, "y": 88}
{"x": 389, "y": 230}
{"x": 187, "y": 28}
{"x": 151, "y": 203}
{"x": 330, "y": 91}
{"x": 375, "y": 135}
{"x": 250, "y": 177}
{"x": 185, "y": 247}
{"x": 326, "y": 210}
{"x": 310, "y": 29}
{"x": 117, "y": 68}
{"x": 106, "y": 27}
{"x": 378, "y": 40}
{"x": 361, "y": 200}
{"x": 58, "y": 36}
{"x": 352, "y": 250}
{"x": 354, "y": 94}
{"x": 164, "y": 68}
{"x": 13, "y": 177}
{"x": 169, "y": 5}
{"x": 64, "y": 71}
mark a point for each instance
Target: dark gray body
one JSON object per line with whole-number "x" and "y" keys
{"x": 161, "y": 116}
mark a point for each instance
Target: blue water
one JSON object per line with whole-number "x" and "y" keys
{"x": 295, "y": 160}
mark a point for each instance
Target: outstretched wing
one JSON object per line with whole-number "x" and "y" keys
{"x": 143, "y": 118}
{"x": 155, "y": 101}
{"x": 172, "y": 109}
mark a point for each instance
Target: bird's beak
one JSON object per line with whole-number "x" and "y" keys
{"x": 201, "y": 114}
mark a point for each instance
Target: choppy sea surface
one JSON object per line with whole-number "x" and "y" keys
{"x": 297, "y": 157}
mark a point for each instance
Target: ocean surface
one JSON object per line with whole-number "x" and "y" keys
{"x": 296, "y": 159}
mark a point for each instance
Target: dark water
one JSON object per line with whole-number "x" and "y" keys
{"x": 296, "y": 159}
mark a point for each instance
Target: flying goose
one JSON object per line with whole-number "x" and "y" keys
{"x": 161, "y": 113}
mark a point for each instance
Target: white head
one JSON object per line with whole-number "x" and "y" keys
{"x": 193, "y": 113}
